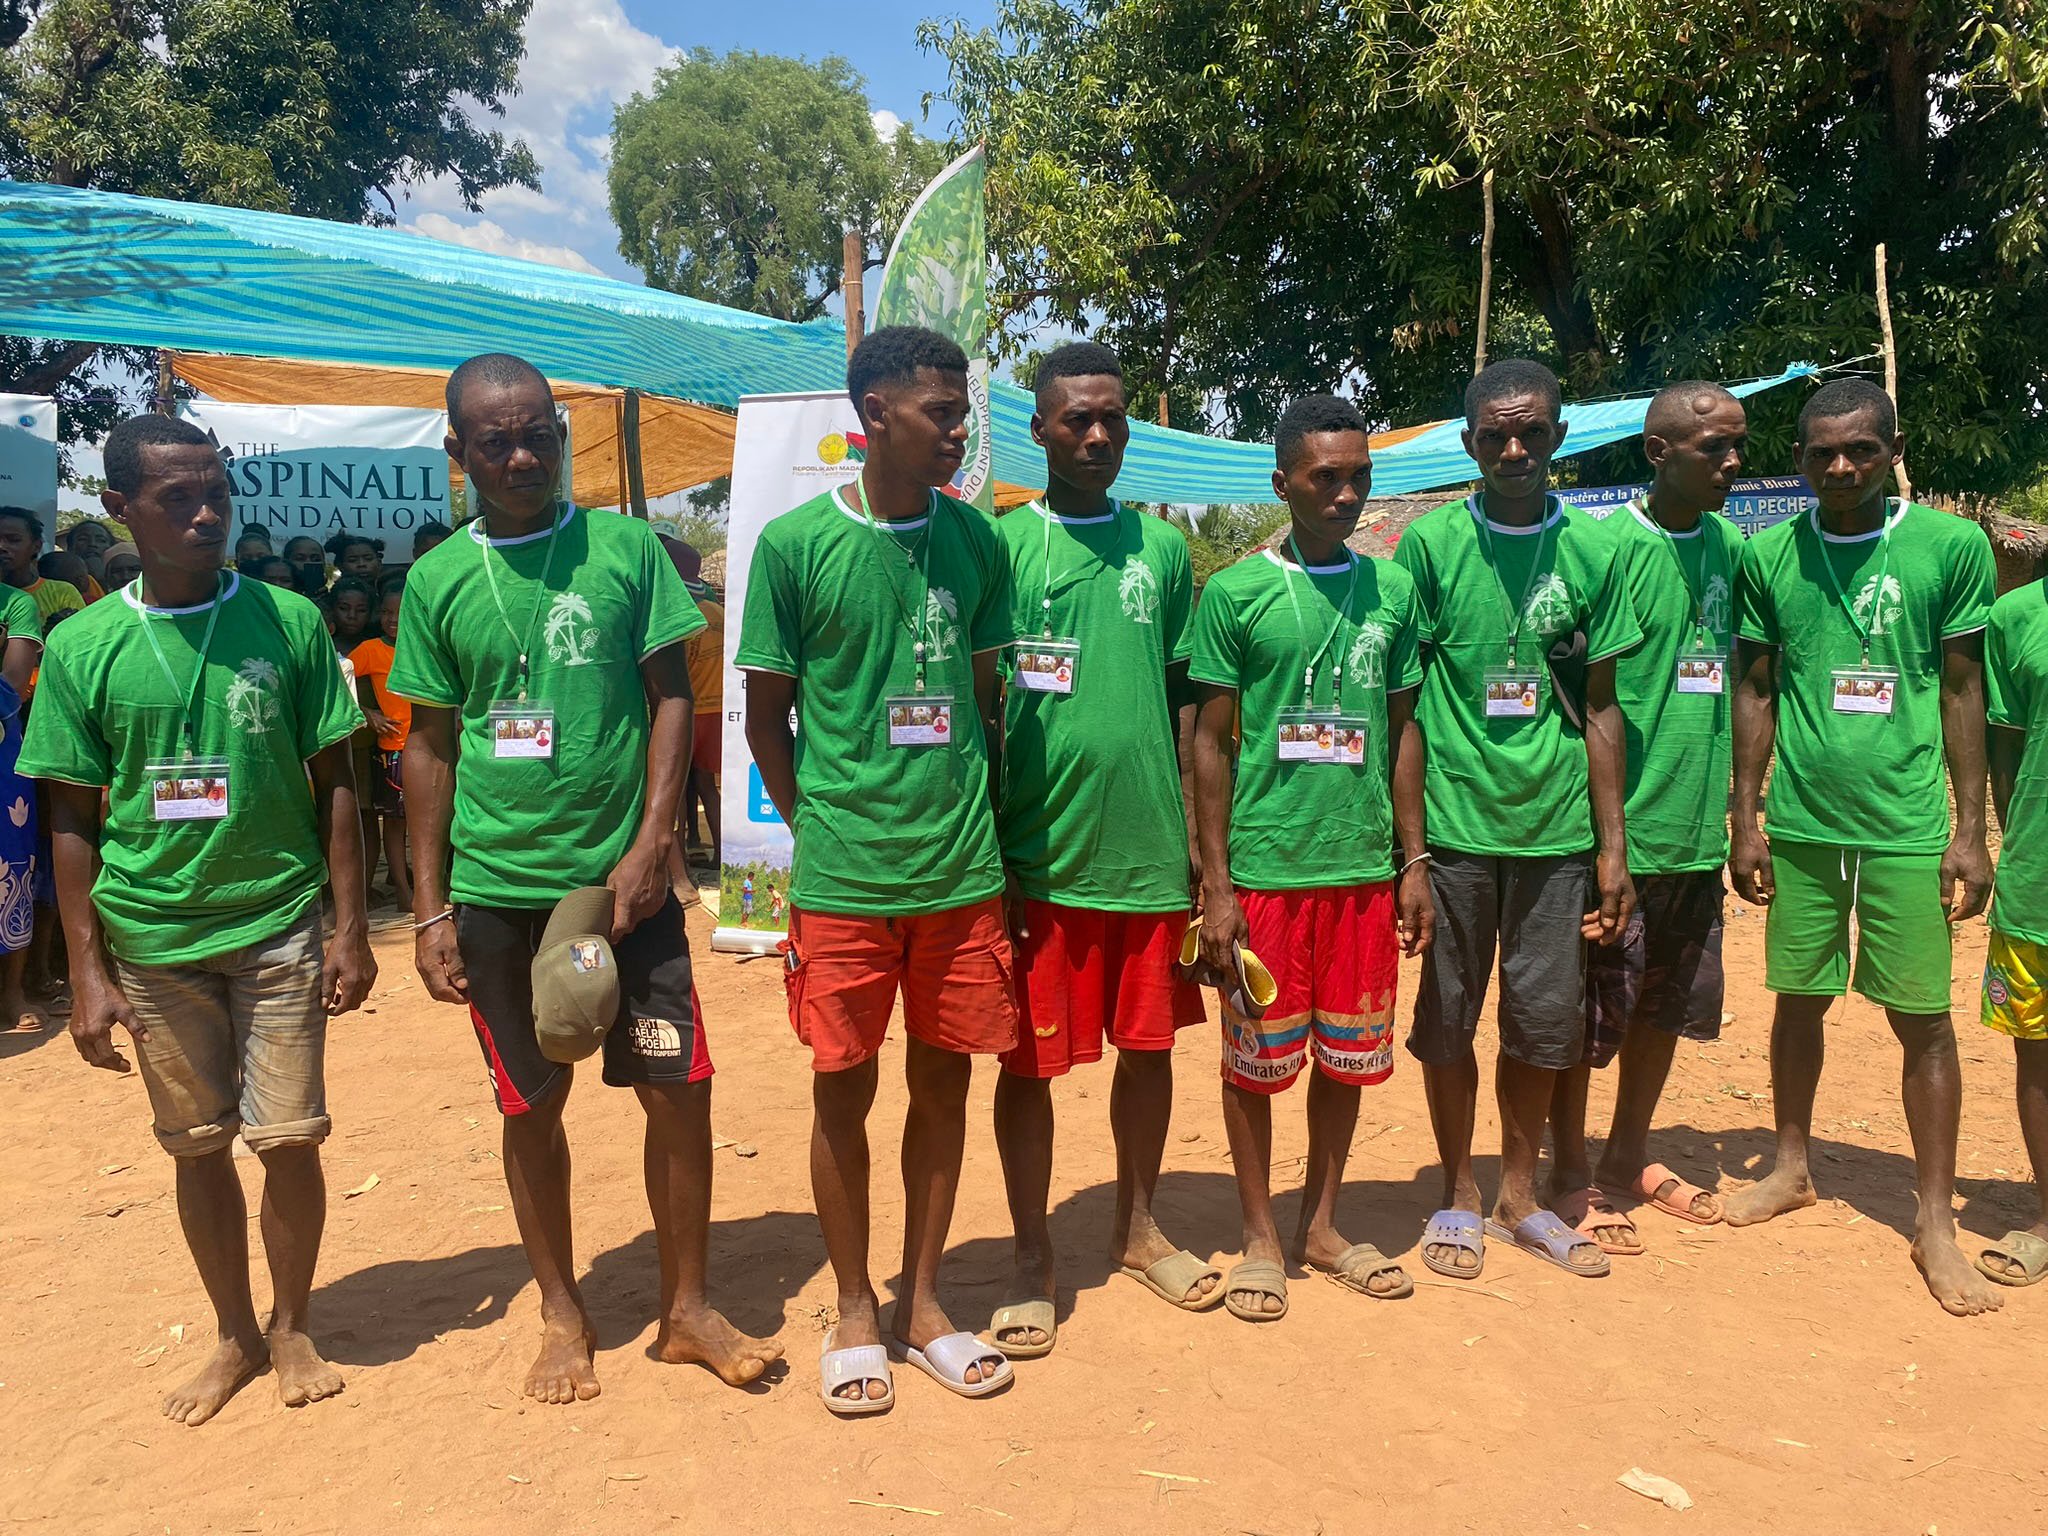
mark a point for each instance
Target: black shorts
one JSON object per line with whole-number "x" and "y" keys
{"x": 1531, "y": 910}
{"x": 659, "y": 1035}
{"x": 1665, "y": 972}
{"x": 387, "y": 784}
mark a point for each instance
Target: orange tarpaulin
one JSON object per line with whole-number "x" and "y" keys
{"x": 681, "y": 444}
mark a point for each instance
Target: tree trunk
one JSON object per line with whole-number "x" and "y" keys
{"x": 54, "y": 370}
{"x": 1552, "y": 277}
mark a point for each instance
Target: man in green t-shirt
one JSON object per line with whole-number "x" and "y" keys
{"x": 1094, "y": 832}
{"x": 200, "y": 703}
{"x": 542, "y": 649}
{"x": 1315, "y": 649}
{"x": 1861, "y": 662}
{"x": 2015, "y": 999}
{"x": 1675, "y": 561}
{"x": 1522, "y": 619}
{"x": 878, "y": 613}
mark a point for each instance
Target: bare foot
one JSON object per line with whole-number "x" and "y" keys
{"x": 562, "y": 1371}
{"x": 1782, "y": 1191}
{"x": 1950, "y": 1278}
{"x": 18, "y": 1014}
{"x": 1144, "y": 1249}
{"x": 198, "y": 1399}
{"x": 302, "y": 1376}
{"x": 702, "y": 1336}
{"x": 859, "y": 1324}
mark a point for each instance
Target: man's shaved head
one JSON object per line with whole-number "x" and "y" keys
{"x": 492, "y": 370}
{"x": 1676, "y": 407}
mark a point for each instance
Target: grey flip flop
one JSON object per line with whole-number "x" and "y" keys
{"x": 947, "y": 1358}
{"x": 1357, "y": 1265}
{"x": 2023, "y": 1249}
{"x": 1544, "y": 1234}
{"x": 1032, "y": 1312}
{"x": 1455, "y": 1229}
{"x": 1262, "y": 1276}
{"x": 1171, "y": 1278}
{"x": 843, "y": 1367}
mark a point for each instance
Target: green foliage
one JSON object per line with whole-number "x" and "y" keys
{"x": 764, "y": 874}
{"x": 1226, "y": 534}
{"x": 1254, "y": 198}
{"x": 735, "y": 178}
{"x": 317, "y": 107}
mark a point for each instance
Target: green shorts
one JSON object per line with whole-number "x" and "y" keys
{"x": 1902, "y": 953}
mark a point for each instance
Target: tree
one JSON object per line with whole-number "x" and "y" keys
{"x": 1267, "y": 196}
{"x": 734, "y": 179}
{"x": 317, "y": 107}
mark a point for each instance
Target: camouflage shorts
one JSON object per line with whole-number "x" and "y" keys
{"x": 1665, "y": 972}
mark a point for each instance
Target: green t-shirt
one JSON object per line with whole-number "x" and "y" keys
{"x": 1300, "y": 825}
{"x": 1092, "y": 813}
{"x": 19, "y": 620}
{"x": 2016, "y": 695}
{"x": 173, "y": 891}
{"x": 1508, "y": 786}
{"x": 833, "y": 601}
{"x": 1679, "y": 743}
{"x": 528, "y": 830}
{"x": 1866, "y": 781}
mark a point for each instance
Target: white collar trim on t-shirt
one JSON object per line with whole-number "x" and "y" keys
{"x": 1549, "y": 520}
{"x": 476, "y": 530}
{"x": 1079, "y": 522}
{"x": 1813, "y": 517}
{"x": 1642, "y": 512}
{"x": 1313, "y": 570}
{"x": 905, "y": 525}
{"x": 133, "y": 593}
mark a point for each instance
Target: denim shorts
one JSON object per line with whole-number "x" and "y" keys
{"x": 237, "y": 1043}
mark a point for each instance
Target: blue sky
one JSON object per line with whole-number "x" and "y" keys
{"x": 586, "y": 56}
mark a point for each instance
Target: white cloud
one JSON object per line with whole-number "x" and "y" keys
{"x": 886, "y": 123}
{"x": 487, "y": 235}
{"x": 583, "y": 58}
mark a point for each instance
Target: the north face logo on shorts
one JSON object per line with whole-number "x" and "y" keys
{"x": 656, "y": 1037}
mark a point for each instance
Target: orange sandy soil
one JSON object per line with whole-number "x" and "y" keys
{"x": 1792, "y": 1377}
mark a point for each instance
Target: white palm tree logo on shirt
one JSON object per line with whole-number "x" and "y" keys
{"x": 1880, "y": 614}
{"x": 1138, "y": 592}
{"x": 1714, "y": 605}
{"x": 1549, "y": 610}
{"x": 566, "y": 643}
{"x": 1368, "y": 658}
{"x": 941, "y": 632}
{"x": 252, "y": 696}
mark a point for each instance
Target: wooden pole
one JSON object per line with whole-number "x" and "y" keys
{"x": 1891, "y": 361}
{"x": 1485, "y": 276}
{"x": 636, "y": 479}
{"x": 619, "y": 439}
{"x": 853, "y": 256}
{"x": 161, "y": 404}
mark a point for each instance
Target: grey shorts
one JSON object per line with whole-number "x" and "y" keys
{"x": 1531, "y": 910}
{"x": 237, "y": 1043}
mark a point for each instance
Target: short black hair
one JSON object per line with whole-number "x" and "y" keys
{"x": 123, "y": 452}
{"x": 500, "y": 370}
{"x": 23, "y": 515}
{"x": 1510, "y": 379}
{"x": 1075, "y": 360}
{"x": 305, "y": 538}
{"x": 263, "y": 563}
{"x": 893, "y": 355}
{"x": 58, "y": 561}
{"x": 1674, "y": 406}
{"x": 70, "y": 535}
{"x": 1846, "y": 397}
{"x": 254, "y": 531}
{"x": 431, "y": 528}
{"x": 1309, "y": 415}
{"x": 345, "y": 541}
{"x": 348, "y": 584}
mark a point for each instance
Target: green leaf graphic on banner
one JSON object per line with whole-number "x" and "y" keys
{"x": 937, "y": 277}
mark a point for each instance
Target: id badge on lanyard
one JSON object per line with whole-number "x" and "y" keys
{"x": 194, "y": 789}
{"x": 522, "y": 728}
{"x": 1046, "y": 665}
{"x": 1702, "y": 669}
{"x": 1865, "y": 690}
{"x": 1307, "y": 736}
{"x": 1512, "y": 693}
{"x": 920, "y": 719}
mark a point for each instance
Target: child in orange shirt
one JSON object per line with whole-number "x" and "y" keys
{"x": 391, "y": 718}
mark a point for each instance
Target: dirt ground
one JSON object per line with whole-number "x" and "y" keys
{"x": 1789, "y": 1377}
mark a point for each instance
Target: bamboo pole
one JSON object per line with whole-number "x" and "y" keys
{"x": 1891, "y": 361}
{"x": 162, "y": 404}
{"x": 853, "y": 255}
{"x": 636, "y": 480}
{"x": 1485, "y": 276}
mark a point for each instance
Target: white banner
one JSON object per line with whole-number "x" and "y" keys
{"x": 787, "y": 449}
{"x": 28, "y": 457}
{"x": 321, "y": 469}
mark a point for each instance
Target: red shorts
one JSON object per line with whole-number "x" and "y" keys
{"x": 842, "y": 973}
{"x": 707, "y": 741}
{"x": 1337, "y": 961}
{"x": 1086, "y": 974}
